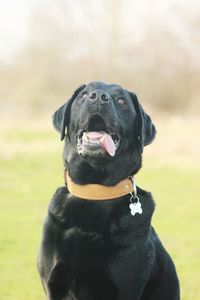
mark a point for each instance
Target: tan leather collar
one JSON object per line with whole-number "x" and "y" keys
{"x": 98, "y": 191}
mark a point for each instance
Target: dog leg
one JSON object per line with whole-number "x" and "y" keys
{"x": 165, "y": 286}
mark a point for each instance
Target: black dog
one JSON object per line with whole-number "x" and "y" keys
{"x": 102, "y": 250}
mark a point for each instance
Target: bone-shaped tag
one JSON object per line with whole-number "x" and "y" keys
{"x": 135, "y": 208}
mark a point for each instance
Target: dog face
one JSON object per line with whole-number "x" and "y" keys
{"x": 103, "y": 125}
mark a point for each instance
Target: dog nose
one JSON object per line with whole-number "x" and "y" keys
{"x": 99, "y": 95}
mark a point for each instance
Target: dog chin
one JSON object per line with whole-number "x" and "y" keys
{"x": 93, "y": 153}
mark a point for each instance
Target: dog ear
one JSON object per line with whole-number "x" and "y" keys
{"x": 146, "y": 129}
{"x": 62, "y": 115}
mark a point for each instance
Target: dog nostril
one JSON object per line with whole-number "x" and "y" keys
{"x": 93, "y": 96}
{"x": 104, "y": 97}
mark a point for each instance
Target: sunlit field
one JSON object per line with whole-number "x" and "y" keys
{"x": 30, "y": 172}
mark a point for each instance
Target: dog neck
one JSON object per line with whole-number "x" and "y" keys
{"x": 98, "y": 191}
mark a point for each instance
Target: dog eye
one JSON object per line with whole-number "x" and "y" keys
{"x": 121, "y": 101}
{"x": 84, "y": 95}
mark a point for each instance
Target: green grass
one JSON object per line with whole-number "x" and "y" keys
{"x": 29, "y": 175}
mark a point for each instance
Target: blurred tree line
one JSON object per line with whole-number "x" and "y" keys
{"x": 146, "y": 47}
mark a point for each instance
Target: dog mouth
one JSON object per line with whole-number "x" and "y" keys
{"x": 97, "y": 139}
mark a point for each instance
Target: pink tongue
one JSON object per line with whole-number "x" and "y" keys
{"x": 105, "y": 140}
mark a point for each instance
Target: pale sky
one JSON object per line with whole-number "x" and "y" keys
{"x": 14, "y": 16}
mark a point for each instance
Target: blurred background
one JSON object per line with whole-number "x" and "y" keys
{"x": 47, "y": 49}
{"x": 50, "y": 47}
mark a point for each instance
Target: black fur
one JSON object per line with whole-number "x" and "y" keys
{"x": 96, "y": 250}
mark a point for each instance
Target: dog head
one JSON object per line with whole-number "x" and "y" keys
{"x": 105, "y": 128}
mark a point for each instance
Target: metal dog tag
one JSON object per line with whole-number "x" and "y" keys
{"x": 136, "y": 207}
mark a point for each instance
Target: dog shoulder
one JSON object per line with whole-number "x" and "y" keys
{"x": 57, "y": 203}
